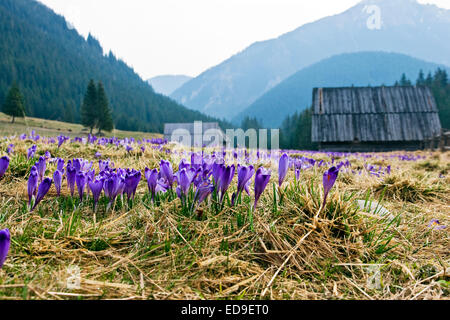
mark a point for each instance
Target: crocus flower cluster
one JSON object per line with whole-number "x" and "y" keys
{"x": 31, "y": 151}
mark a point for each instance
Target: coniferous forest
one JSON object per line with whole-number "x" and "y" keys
{"x": 52, "y": 65}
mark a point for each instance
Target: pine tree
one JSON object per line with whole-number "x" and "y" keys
{"x": 405, "y": 81}
{"x": 14, "y": 104}
{"x": 89, "y": 110}
{"x": 421, "y": 79}
{"x": 105, "y": 121}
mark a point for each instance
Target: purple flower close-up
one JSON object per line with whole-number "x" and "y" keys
{"x": 42, "y": 191}
{"x": 4, "y": 164}
{"x": 283, "y": 168}
{"x": 32, "y": 184}
{"x": 262, "y": 178}
{"x": 57, "y": 179}
{"x": 329, "y": 178}
{"x": 5, "y": 243}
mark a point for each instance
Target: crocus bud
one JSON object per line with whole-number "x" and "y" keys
{"x": 329, "y": 178}
{"x": 5, "y": 242}
{"x": 42, "y": 191}
{"x": 57, "y": 178}
{"x": 262, "y": 178}
{"x": 4, "y": 164}
{"x": 32, "y": 184}
{"x": 283, "y": 168}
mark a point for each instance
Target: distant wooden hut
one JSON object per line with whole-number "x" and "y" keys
{"x": 196, "y": 134}
{"x": 374, "y": 118}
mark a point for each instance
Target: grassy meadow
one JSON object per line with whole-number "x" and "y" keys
{"x": 52, "y": 128}
{"x": 157, "y": 250}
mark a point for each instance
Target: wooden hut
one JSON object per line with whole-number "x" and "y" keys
{"x": 365, "y": 119}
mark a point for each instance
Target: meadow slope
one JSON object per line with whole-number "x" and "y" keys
{"x": 144, "y": 250}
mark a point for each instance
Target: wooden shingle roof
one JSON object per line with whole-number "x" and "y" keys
{"x": 373, "y": 114}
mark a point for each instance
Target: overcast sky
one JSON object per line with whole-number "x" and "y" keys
{"x": 159, "y": 37}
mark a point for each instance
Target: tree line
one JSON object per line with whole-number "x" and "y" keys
{"x": 95, "y": 111}
{"x": 52, "y": 64}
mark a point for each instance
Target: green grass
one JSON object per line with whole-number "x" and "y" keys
{"x": 51, "y": 128}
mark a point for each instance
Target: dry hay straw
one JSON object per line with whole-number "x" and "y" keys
{"x": 155, "y": 252}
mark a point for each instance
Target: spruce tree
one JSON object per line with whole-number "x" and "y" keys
{"x": 405, "y": 81}
{"x": 14, "y": 104}
{"x": 89, "y": 111}
{"x": 421, "y": 79}
{"x": 105, "y": 121}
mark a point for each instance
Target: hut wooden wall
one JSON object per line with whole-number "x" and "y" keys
{"x": 374, "y": 114}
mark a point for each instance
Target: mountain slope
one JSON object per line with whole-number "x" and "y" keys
{"x": 407, "y": 27}
{"x": 359, "y": 69}
{"x": 53, "y": 64}
{"x": 167, "y": 84}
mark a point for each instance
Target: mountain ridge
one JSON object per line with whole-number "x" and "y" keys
{"x": 227, "y": 88}
{"x": 358, "y": 69}
{"x": 166, "y": 84}
{"x": 53, "y": 63}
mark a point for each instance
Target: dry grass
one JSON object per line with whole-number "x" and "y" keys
{"x": 156, "y": 252}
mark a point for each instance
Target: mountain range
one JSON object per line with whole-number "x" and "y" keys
{"x": 358, "y": 69}
{"x": 52, "y": 64}
{"x": 400, "y": 26}
{"x": 167, "y": 84}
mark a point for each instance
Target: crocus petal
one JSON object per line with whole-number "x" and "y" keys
{"x": 329, "y": 178}
{"x": 4, "y": 163}
{"x": 5, "y": 242}
{"x": 283, "y": 168}
{"x": 42, "y": 191}
{"x": 262, "y": 178}
{"x": 57, "y": 178}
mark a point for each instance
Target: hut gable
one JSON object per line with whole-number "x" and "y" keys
{"x": 374, "y": 114}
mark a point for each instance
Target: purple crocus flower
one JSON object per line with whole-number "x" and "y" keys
{"x": 262, "y": 178}
{"x": 57, "y": 178}
{"x": 329, "y": 178}
{"x": 203, "y": 191}
{"x": 32, "y": 183}
{"x": 131, "y": 183}
{"x": 71, "y": 175}
{"x": 184, "y": 180}
{"x": 167, "y": 172}
{"x": 42, "y": 191}
{"x": 76, "y": 163}
{"x": 5, "y": 242}
{"x": 31, "y": 152}
{"x": 183, "y": 164}
{"x": 4, "y": 164}
{"x": 225, "y": 180}
{"x": 60, "y": 165}
{"x": 244, "y": 176}
{"x": 96, "y": 187}
{"x": 41, "y": 165}
{"x": 10, "y": 149}
{"x": 298, "y": 170}
{"x": 154, "y": 184}
{"x": 81, "y": 180}
{"x": 283, "y": 168}
{"x": 61, "y": 140}
{"x": 436, "y": 225}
